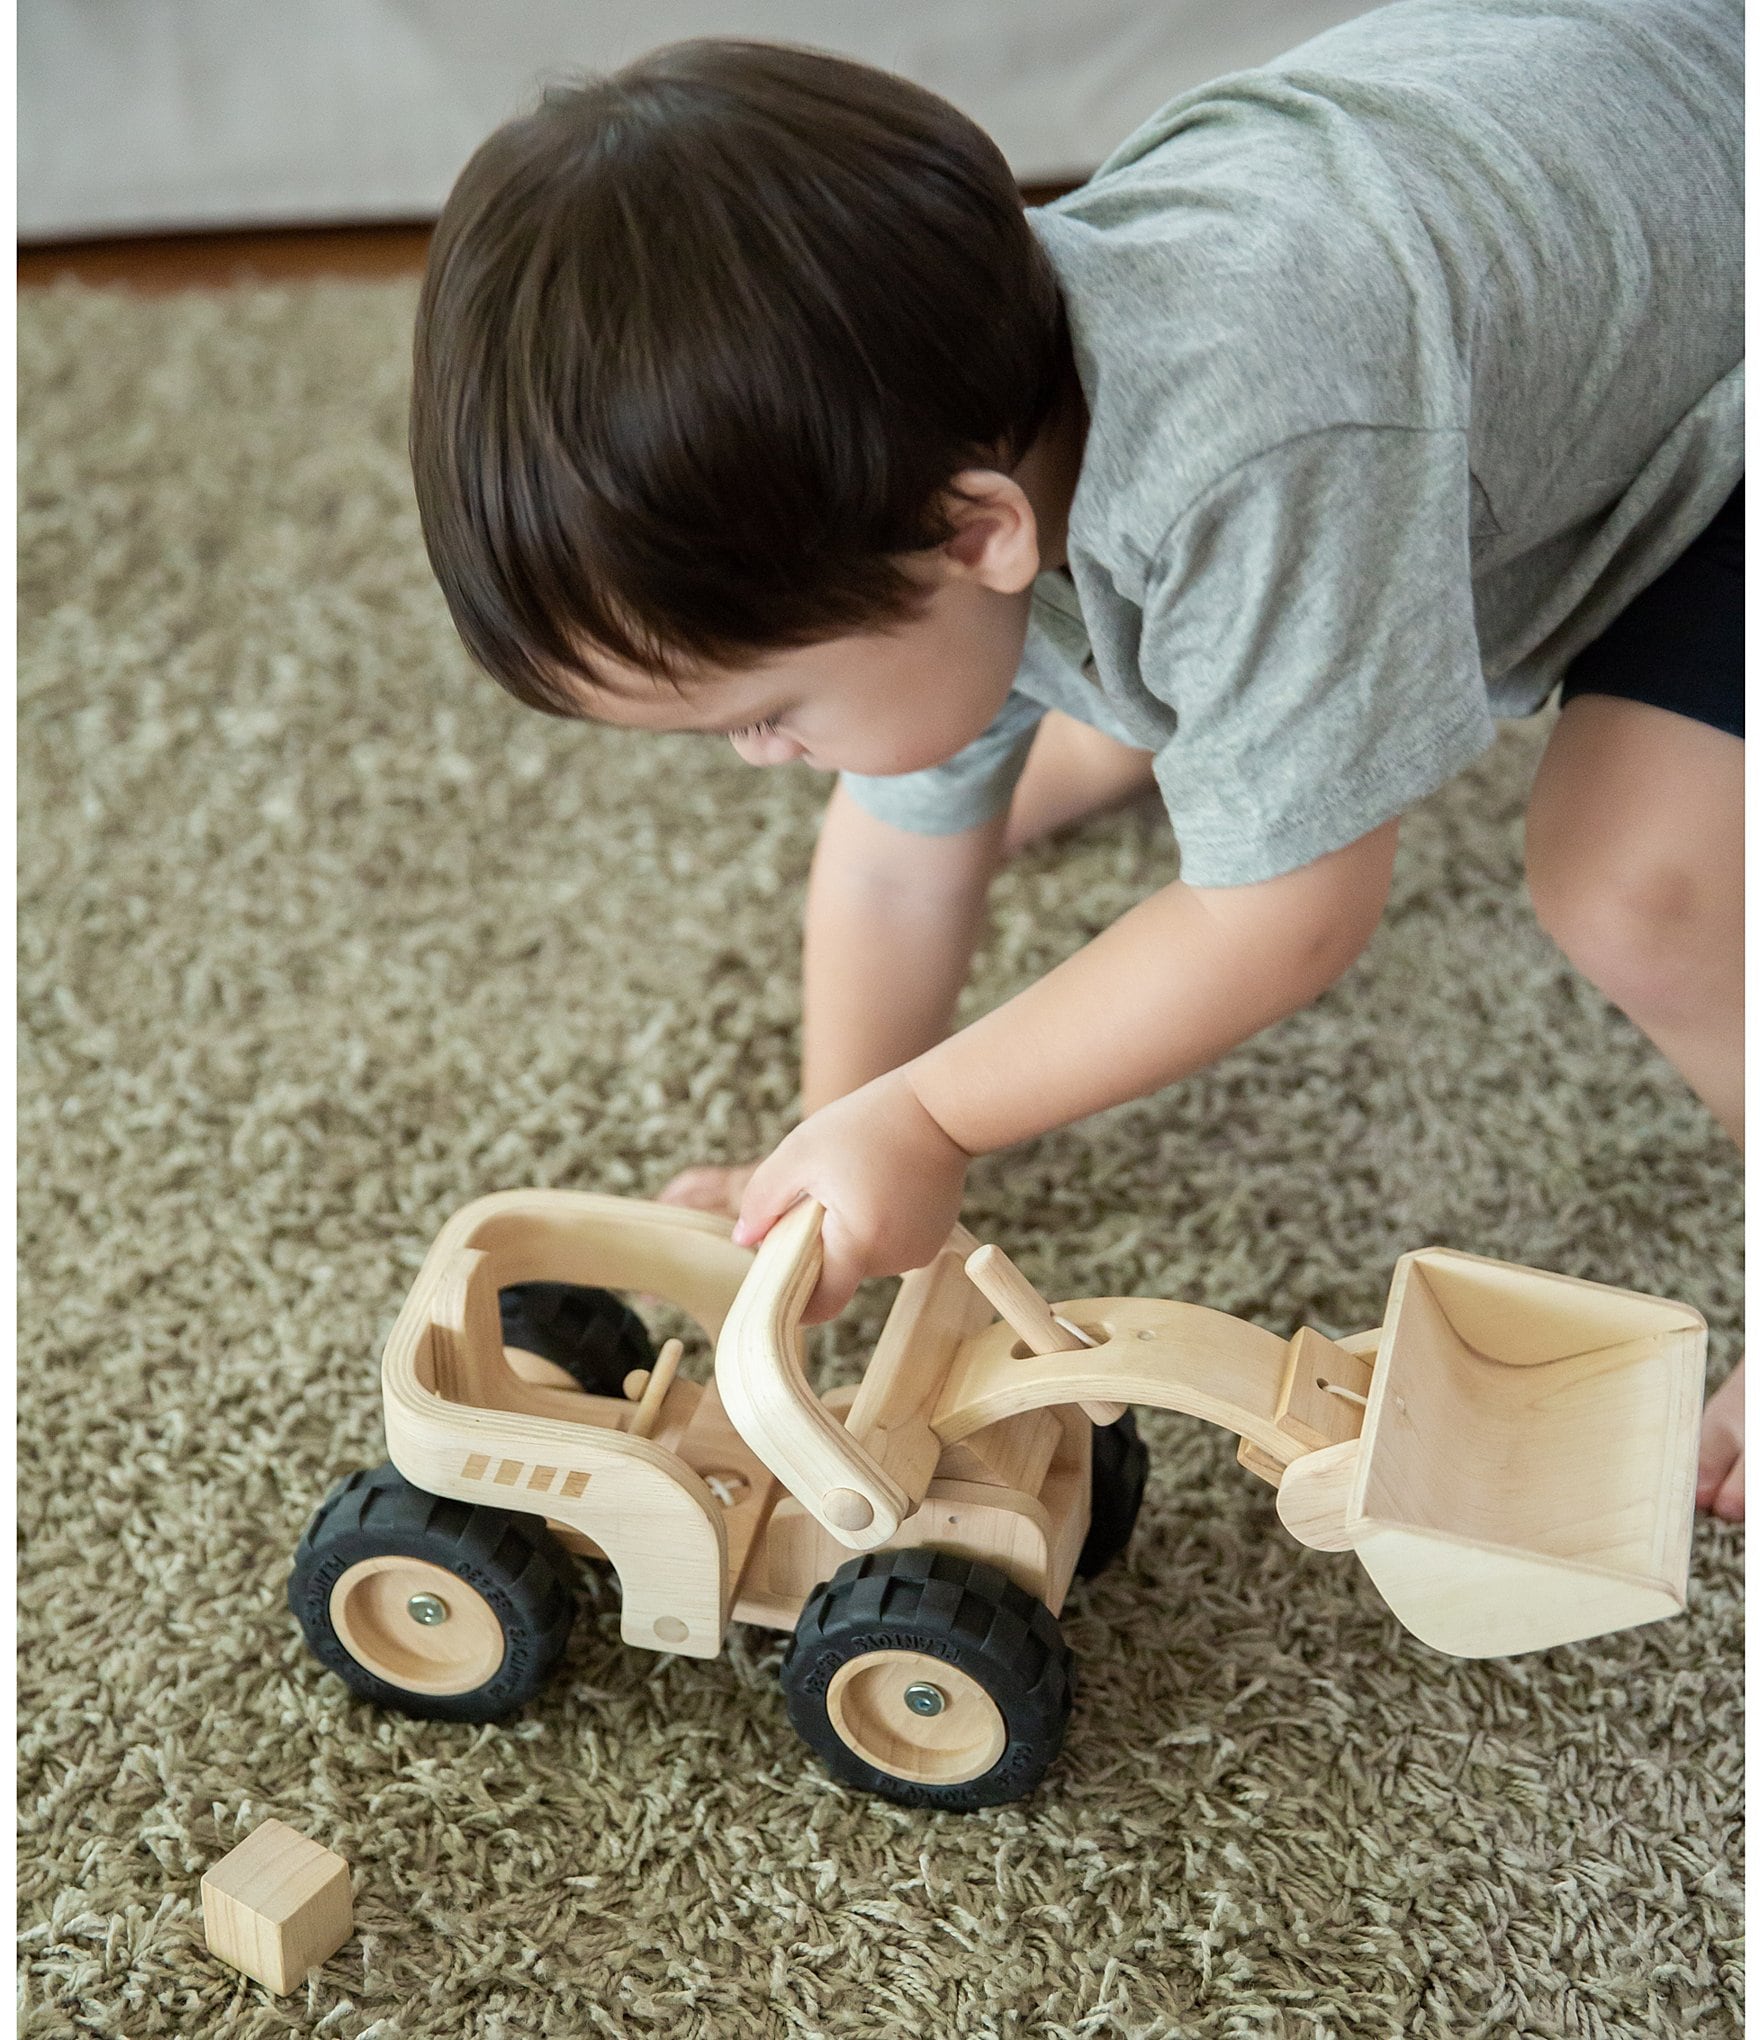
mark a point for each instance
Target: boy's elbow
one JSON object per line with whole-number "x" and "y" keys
{"x": 1336, "y": 948}
{"x": 859, "y": 853}
{"x": 1318, "y": 920}
{"x": 1353, "y": 884}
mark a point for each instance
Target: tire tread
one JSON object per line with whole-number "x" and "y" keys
{"x": 518, "y": 1556}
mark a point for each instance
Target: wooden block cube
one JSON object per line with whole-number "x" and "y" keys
{"x": 277, "y": 1906}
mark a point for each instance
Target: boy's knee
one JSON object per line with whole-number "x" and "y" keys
{"x": 1646, "y": 930}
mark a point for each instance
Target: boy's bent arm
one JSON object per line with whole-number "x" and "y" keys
{"x": 1175, "y": 983}
{"x": 1178, "y": 981}
{"x": 891, "y": 922}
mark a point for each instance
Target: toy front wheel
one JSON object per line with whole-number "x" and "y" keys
{"x": 930, "y": 1679}
{"x": 435, "y": 1608}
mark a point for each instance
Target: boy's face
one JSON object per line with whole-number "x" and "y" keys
{"x": 877, "y": 703}
{"x": 874, "y": 704}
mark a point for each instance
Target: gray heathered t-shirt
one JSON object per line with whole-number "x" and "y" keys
{"x": 1410, "y": 359}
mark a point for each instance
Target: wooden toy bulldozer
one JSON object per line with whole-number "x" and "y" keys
{"x": 1510, "y": 1454}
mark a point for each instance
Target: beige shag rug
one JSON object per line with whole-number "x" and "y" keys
{"x": 322, "y": 937}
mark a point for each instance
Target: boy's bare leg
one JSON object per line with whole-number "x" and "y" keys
{"x": 1635, "y": 863}
{"x": 1072, "y": 772}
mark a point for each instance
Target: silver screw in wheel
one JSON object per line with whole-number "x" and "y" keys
{"x": 427, "y": 1609}
{"x": 925, "y": 1699}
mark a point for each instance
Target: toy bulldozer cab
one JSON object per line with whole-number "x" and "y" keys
{"x": 1511, "y": 1455}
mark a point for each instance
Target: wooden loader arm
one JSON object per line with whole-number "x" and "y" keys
{"x": 1274, "y": 1392}
{"x": 1510, "y": 1455}
{"x": 1277, "y": 1394}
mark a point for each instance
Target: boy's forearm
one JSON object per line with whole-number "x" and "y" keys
{"x": 876, "y": 990}
{"x": 888, "y": 939}
{"x": 1177, "y": 982}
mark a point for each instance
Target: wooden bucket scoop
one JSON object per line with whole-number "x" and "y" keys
{"x": 1526, "y": 1467}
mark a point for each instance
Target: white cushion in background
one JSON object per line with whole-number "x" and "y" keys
{"x": 156, "y": 115}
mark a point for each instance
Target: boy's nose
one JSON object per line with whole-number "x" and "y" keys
{"x": 767, "y": 747}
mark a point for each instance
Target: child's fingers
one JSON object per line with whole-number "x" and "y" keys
{"x": 709, "y": 1188}
{"x": 839, "y": 1275}
{"x": 695, "y": 1188}
{"x": 826, "y": 1304}
{"x": 768, "y": 1195}
{"x": 771, "y": 1192}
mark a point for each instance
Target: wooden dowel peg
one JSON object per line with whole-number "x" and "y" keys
{"x": 652, "y": 1388}
{"x": 1019, "y": 1304}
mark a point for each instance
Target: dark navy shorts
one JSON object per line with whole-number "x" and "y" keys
{"x": 1679, "y": 644}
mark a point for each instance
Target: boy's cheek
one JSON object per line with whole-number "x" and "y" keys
{"x": 877, "y": 757}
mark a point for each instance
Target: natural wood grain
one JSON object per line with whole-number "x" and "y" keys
{"x": 1167, "y": 1355}
{"x": 460, "y": 1421}
{"x": 1324, "y": 1391}
{"x": 1527, "y": 1456}
{"x": 277, "y": 1906}
{"x": 936, "y": 1307}
{"x": 1522, "y": 1477}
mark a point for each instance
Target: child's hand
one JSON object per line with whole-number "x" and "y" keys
{"x": 889, "y": 1178}
{"x": 710, "y": 1188}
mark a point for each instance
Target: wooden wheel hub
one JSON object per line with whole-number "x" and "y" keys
{"x": 417, "y": 1626}
{"x": 916, "y": 1717}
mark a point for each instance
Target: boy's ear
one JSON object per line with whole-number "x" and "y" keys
{"x": 995, "y": 538}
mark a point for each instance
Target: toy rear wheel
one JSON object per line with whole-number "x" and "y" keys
{"x": 1120, "y": 1474}
{"x": 436, "y": 1608}
{"x": 592, "y": 1335}
{"x": 929, "y": 1678}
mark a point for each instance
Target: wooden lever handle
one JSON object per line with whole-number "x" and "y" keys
{"x": 764, "y": 1390}
{"x": 1019, "y": 1304}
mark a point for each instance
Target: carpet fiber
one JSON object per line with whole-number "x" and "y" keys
{"x": 321, "y": 936}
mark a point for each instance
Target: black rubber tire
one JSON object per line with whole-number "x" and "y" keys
{"x": 590, "y": 1333}
{"x": 970, "y": 1615}
{"x": 513, "y": 1561}
{"x": 1119, "y": 1475}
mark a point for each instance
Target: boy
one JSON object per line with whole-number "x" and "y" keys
{"x": 1353, "y": 402}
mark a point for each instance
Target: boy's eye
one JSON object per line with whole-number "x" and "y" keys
{"x": 757, "y": 729}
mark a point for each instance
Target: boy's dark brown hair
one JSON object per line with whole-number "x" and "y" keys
{"x": 701, "y": 346}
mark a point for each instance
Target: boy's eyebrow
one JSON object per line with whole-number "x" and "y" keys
{"x": 653, "y": 686}
{"x": 598, "y": 681}
{"x": 692, "y": 729}
{"x": 730, "y": 729}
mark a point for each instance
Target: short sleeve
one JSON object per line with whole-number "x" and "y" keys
{"x": 962, "y": 791}
{"x": 1310, "y": 620}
